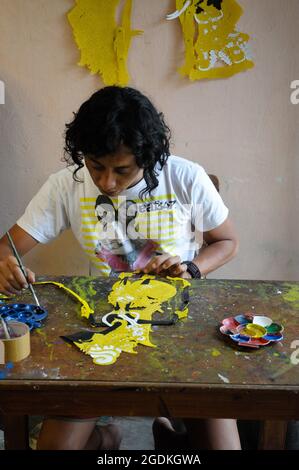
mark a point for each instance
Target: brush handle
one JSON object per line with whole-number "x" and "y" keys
{"x": 22, "y": 268}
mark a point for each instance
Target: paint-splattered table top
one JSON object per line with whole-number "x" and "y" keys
{"x": 192, "y": 351}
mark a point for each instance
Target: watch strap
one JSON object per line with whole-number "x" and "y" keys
{"x": 193, "y": 269}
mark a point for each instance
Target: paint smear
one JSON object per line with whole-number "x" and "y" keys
{"x": 225, "y": 379}
{"x": 215, "y": 353}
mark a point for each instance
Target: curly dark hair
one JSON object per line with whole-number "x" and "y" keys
{"x": 113, "y": 116}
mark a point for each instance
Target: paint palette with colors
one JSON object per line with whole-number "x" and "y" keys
{"x": 30, "y": 314}
{"x": 252, "y": 330}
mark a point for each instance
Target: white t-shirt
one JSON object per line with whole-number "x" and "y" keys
{"x": 122, "y": 233}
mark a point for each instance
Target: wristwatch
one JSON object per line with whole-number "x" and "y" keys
{"x": 192, "y": 269}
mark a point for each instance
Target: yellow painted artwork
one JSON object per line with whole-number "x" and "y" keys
{"x": 104, "y": 44}
{"x": 134, "y": 302}
{"x": 214, "y": 48}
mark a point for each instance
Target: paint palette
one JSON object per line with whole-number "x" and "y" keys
{"x": 251, "y": 330}
{"x": 32, "y": 315}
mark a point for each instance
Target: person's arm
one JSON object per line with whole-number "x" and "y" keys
{"x": 11, "y": 278}
{"x": 222, "y": 247}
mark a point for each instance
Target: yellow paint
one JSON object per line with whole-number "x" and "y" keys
{"x": 5, "y": 297}
{"x": 104, "y": 45}
{"x": 85, "y": 308}
{"x": 214, "y": 48}
{"x": 131, "y": 298}
{"x": 182, "y": 313}
{"x": 254, "y": 331}
{"x": 216, "y": 353}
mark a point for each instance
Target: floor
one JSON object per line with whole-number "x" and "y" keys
{"x": 137, "y": 433}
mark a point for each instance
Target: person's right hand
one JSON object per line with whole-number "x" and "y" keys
{"x": 12, "y": 280}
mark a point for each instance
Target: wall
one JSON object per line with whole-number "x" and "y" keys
{"x": 243, "y": 129}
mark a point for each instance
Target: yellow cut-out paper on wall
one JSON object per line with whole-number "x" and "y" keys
{"x": 134, "y": 300}
{"x": 104, "y": 44}
{"x": 214, "y": 48}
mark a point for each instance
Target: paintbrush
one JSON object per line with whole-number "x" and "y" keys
{"x": 22, "y": 268}
{"x": 5, "y": 328}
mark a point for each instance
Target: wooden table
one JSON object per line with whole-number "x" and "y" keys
{"x": 193, "y": 372}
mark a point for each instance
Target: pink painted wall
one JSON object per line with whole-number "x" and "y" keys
{"x": 244, "y": 129}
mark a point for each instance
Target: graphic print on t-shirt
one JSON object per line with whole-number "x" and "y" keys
{"x": 120, "y": 244}
{"x": 123, "y": 235}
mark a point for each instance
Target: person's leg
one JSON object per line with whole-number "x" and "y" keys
{"x": 77, "y": 434}
{"x": 106, "y": 437}
{"x": 166, "y": 437}
{"x": 213, "y": 434}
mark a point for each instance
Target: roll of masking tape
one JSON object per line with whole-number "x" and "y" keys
{"x": 17, "y": 347}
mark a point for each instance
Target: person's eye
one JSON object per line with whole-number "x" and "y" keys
{"x": 96, "y": 168}
{"x": 122, "y": 171}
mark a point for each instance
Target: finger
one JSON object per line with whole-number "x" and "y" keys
{"x": 19, "y": 281}
{"x": 163, "y": 273}
{"x": 17, "y": 278}
{"x": 155, "y": 262}
{"x": 169, "y": 263}
{"x": 8, "y": 279}
{"x": 6, "y": 288}
{"x": 180, "y": 269}
{"x": 30, "y": 275}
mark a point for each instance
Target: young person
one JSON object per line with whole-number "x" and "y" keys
{"x": 132, "y": 206}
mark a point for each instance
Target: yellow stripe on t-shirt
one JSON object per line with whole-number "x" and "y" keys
{"x": 87, "y": 207}
{"x": 87, "y": 199}
{"x": 99, "y": 260}
{"x": 90, "y": 237}
{"x": 89, "y": 222}
{"x": 86, "y": 230}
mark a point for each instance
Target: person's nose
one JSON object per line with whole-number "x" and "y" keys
{"x": 107, "y": 181}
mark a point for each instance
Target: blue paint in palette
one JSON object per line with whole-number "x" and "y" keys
{"x": 32, "y": 315}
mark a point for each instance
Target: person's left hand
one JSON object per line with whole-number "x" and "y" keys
{"x": 166, "y": 265}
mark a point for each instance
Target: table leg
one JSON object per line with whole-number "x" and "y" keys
{"x": 273, "y": 435}
{"x": 16, "y": 432}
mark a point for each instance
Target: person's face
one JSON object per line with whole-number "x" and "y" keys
{"x": 115, "y": 172}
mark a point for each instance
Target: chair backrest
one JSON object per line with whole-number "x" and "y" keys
{"x": 215, "y": 181}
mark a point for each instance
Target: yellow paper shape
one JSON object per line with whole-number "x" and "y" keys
{"x": 214, "y": 48}
{"x": 133, "y": 300}
{"x": 105, "y": 349}
{"x": 104, "y": 45}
